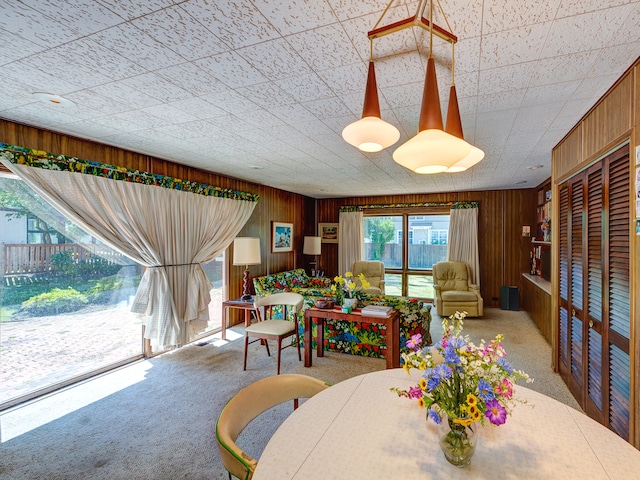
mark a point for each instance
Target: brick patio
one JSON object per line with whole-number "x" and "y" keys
{"x": 38, "y": 352}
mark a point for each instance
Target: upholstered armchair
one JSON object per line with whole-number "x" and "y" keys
{"x": 454, "y": 291}
{"x": 374, "y": 273}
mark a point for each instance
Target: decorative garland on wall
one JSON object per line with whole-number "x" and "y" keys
{"x": 452, "y": 205}
{"x": 50, "y": 161}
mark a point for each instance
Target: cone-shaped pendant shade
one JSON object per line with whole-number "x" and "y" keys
{"x": 454, "y": 124}
{"x": 371, "y": 133}
{"x": 430, "y": 113}
{"x": 432, "y": 150}
{"x": 454, "y": 127}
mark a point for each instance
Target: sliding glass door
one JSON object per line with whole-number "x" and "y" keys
{"x": 64, "y": 299}
{"x": 408, "y": 244}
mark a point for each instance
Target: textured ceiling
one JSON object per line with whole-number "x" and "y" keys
{"x": 261, "y": 89}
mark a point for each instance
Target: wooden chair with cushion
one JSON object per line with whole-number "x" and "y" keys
{"x": 274, "y": 329}
{"x": 454, "y": 290}
{"x": 373, "y": 271}
{"x": 250, "y": 402}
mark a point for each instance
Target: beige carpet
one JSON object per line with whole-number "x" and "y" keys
{"x": 155, "y": 419}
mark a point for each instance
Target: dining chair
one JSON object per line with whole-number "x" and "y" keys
{"x": 250, "y": 402}
{"x": 274, "y": 329}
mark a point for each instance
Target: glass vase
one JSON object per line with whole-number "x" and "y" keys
{"x": 350, "y": 302}
{"x": 458, "y": 443}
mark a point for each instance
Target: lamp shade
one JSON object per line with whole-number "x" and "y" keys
{"x": 371, "y": 133}
{"x": 246, "y": 251}
{"x": 475, "y": 155}
{"x": 312, "y": 246}
{"x": 454, "y": 127}
{"x": 431, "y": 151}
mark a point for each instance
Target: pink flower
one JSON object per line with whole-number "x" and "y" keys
{"x": 415, "y": 341}
{"x": 415, "y": 392}
{"x": 505, "y": 388}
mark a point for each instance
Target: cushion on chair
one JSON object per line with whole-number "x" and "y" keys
{"x": 272, "y": 327}
{"x": 453, "y": 276}
{"x": 374, "y": 273}
{"x": 459, "y": 296}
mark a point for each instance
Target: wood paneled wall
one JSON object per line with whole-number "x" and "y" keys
{"x": 274, "y": 205}
{"x": 606, "y": 125}
{"x": 502, "y": 213}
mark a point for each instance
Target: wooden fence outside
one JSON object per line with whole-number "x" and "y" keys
{"x": 420, "y": 256}
{"x": 29, "y": 259}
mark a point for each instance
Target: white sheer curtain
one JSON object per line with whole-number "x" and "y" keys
{"x": 169, "y": 231}
{"x": 350, "y": 240}
{"x": 463, "y": 240}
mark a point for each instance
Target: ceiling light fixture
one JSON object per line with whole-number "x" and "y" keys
{"x": 371, "y": 133}
{"x": 434, "y": 149}
{"x": 52, "y": 99}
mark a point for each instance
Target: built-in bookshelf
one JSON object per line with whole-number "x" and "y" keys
{"x": 541, "y": 241}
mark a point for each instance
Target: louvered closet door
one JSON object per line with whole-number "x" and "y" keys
{"x": 564, "y": 342}
{"x": 617, "y": 304}
{"x": 594, "y": 282}
{"x": 571, "y": 310}
{"x": 594, "y": 300}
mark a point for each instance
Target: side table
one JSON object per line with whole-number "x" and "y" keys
{"x": 246, "y": 305}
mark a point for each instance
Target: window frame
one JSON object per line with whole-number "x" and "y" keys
{"x": 405, "y": 272}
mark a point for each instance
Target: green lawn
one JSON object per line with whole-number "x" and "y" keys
{"x": 420, "y": 286}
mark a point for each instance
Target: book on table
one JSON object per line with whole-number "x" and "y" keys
{"x": 377, "y": 310}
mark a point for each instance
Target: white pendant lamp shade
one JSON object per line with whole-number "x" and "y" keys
{"x": 371, "y": 133}
{"x": 431, "y": 151}
{"x": 475, "y": 155}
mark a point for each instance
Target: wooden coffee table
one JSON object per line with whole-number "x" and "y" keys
{"x": 392, "y": 321}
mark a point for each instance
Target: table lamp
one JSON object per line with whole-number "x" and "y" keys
{"x": 246, "y": 251}
{"x": 312, "y": 246}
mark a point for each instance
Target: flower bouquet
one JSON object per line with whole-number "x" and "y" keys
{"x": 345, "y": 287}
{"x": 462, "y": 384}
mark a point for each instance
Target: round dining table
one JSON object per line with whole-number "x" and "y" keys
{"x": 359, "y": 429}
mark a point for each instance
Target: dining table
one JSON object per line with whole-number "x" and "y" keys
{"x": 360, "y": 429}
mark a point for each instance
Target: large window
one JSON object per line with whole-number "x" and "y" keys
{"x": 408, "y": 245}
{"x": 65, "y": 299}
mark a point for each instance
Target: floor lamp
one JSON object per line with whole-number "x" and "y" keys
{"x": 312, "y": 246}
{"x": 246, "y": 251}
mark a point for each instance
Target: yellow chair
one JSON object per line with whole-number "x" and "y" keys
{"x": 454, "y": 290}
{"x": 250, "y": 402}
{"x": 373, "y": 271}
{"x": 274, "y": 329}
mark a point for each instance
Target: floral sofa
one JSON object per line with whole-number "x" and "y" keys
{"x": 292, "y": 281}
{"x": 350, "y": 337}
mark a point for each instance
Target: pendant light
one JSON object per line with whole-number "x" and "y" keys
{"x": 434, "y": 149}
{"x": 454, "y": 126}
{"x": 371, "y": 133}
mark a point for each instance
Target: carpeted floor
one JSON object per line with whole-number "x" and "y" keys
{"x": 155, "y": 419}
